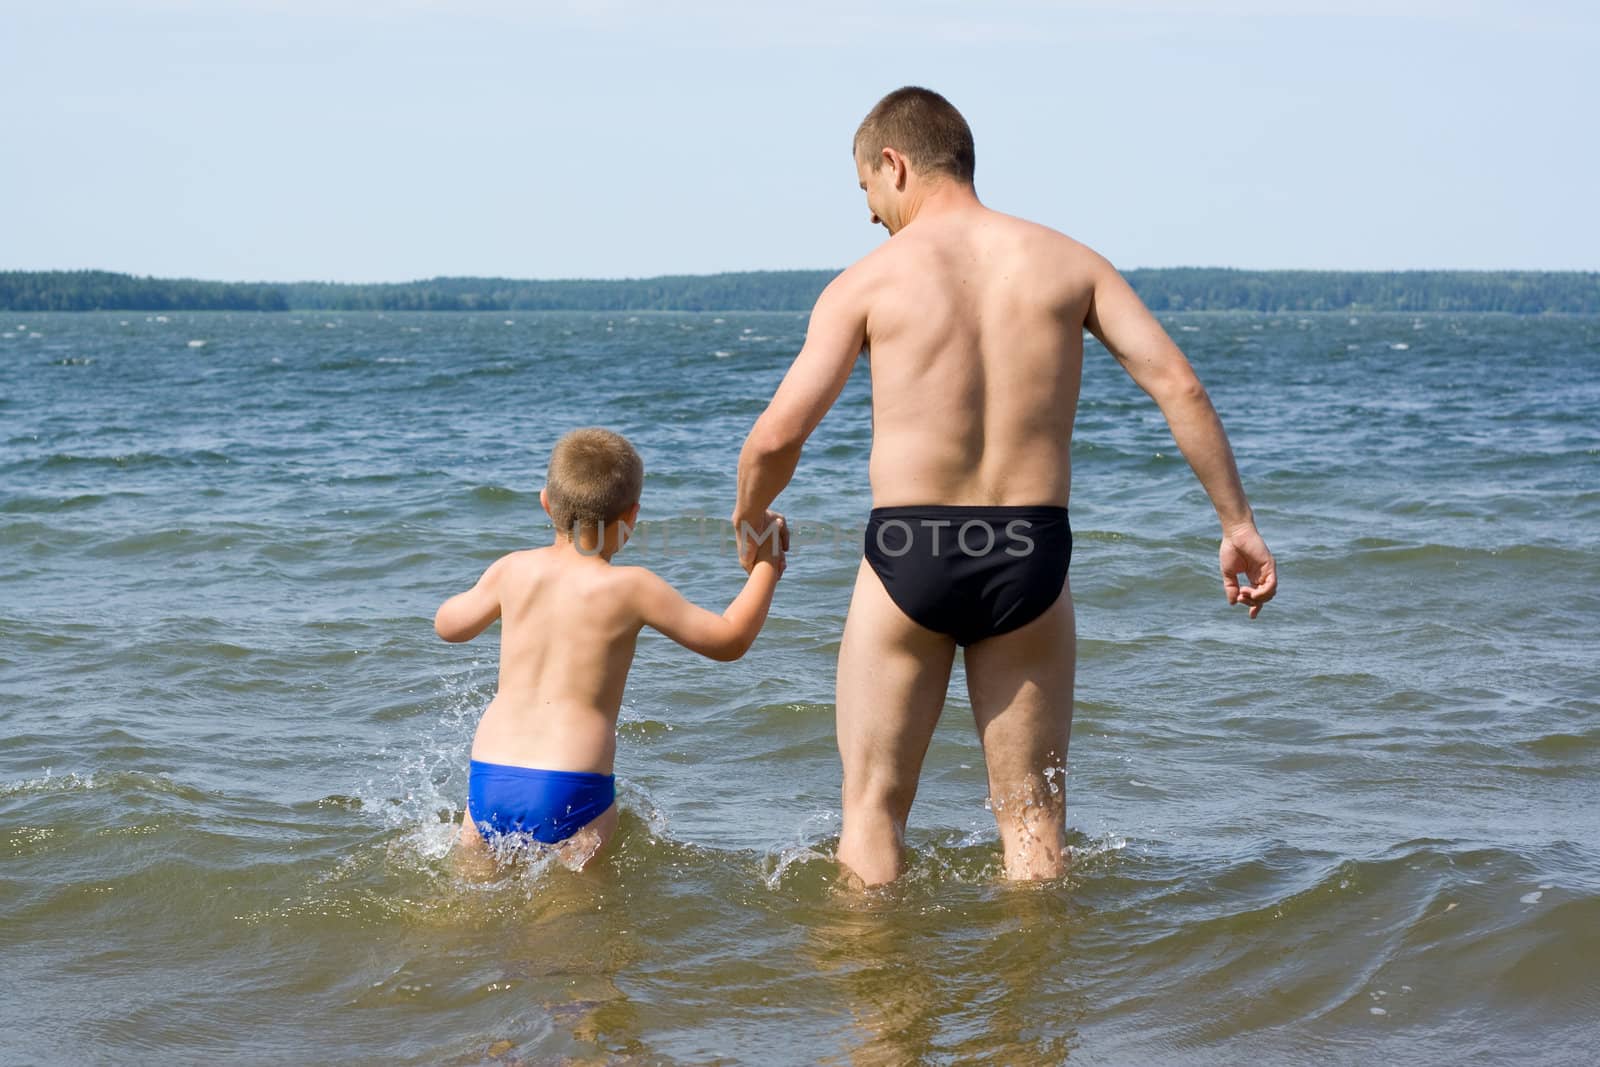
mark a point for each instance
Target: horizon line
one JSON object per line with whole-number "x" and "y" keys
{"x": 776, "y": 270}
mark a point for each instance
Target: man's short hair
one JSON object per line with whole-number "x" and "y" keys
{"x": 923, "y": 126}
{"x": 595, "y": 476}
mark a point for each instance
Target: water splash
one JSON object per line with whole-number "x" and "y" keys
{"x": 808, "y": 847}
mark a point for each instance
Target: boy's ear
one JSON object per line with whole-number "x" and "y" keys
{"x": 544, "y": 501}
{"x": 631, "y": 516}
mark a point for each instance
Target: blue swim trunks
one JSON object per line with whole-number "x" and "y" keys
{"x": 550, "y": 806}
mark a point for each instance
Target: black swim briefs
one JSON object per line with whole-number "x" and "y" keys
{"x": 970, "y": 572}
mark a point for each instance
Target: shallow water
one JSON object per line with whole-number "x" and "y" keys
{"x": 1360, "y": 827}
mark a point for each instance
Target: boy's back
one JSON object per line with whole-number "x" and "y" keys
{"x": 568, "y": 626}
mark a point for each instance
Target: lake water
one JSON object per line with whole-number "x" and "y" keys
{"x": 1362, "y": 828}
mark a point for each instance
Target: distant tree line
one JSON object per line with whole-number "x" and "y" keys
{"x": 780, "y": 290}
{"x": 1519, "y": 292}
{"x": 99, "y": 290}
{"x": 1164, "y": 289}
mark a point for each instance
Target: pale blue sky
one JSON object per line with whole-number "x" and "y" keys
{"x": 383, "y": 140}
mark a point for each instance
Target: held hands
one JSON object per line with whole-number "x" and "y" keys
{"x": 761, "y": 541}
{"x": 1244, "y": 552}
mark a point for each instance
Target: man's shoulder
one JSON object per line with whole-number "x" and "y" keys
{"x": 1047, "y": 238}
{"x": 865, "y": 269}
{"x": 850, "y": 291}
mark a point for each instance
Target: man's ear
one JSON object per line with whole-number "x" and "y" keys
{"x": 899, "y": 167}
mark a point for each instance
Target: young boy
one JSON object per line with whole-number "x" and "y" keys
{"x": 542, "y": 755}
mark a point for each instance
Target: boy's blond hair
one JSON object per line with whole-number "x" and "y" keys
{"x": 594, "y": 477}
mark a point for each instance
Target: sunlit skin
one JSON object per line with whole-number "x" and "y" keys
{"x": 974, "y": 322}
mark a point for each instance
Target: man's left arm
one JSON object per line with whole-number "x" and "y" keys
{"x": 834, "y": 339}
{"x": 1125, "y": 326}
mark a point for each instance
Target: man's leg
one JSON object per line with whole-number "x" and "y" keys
{"x": 891, "y": 687}
{"x": 1021, "y": 689}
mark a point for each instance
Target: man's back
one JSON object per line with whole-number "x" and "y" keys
{"x": 975, "y": 331}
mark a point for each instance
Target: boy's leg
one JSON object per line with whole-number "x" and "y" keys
{"x": 891, "y": 688}
{"x": 1021, "y": 689}
{"x": 576, "y": 851}
{"x": 473, "y": 858}
{"x": 471, "y": 853}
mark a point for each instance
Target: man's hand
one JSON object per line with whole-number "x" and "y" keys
{"x": 1244, "y": 552}
{"x": 763, "y": 539}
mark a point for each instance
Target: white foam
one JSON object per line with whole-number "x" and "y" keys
{"x": 809, "y": 835}
{"x": 1377, "y": 1011}
{"x": 1399, "y": 346}
{"x": 197, "y": 344}
{"x": 720, "y": 354}
{"x": 50, "y": 782}
{"x": 1532, "y": 898}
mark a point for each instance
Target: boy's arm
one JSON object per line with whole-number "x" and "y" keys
{"x": 722, "y": 637}
{"x": 466, "y": 615}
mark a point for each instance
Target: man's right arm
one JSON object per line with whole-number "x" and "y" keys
{"x": 1131, "y": 333}
{"x": 767, "y": 461}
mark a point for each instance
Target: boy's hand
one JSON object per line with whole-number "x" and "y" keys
{"x": 776, "y": 550}
{"x": 768, "y": 541}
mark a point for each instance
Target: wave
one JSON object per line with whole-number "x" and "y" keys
{"x": 119, "y": 782}
{"x": 130, "y": 461}
{"x": 1563, "y": 745}
{"x": 40, "y": 505}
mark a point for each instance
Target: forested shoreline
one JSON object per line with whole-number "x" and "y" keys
{"x": 1163, "y": 289}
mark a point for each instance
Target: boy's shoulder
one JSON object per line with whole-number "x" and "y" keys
{"x": 641, "y": 585}
{"x": 632, "y": 576}
{"x": 520, "y": 564}
{"x": 533, "y": 565}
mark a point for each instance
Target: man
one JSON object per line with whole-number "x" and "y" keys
{"x": 973, "y": 322}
